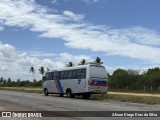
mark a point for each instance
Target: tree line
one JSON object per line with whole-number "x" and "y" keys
{"x": 120, "y": 79}
{"x": 19, "y": 83}
{"x": 134, "y": 80}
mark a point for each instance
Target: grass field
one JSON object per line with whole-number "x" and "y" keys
{"x": 127, "y": 98}
{"x": 114, "y": 96}
{"x": 23, "y": 89}
{"x": 157, "y": 91}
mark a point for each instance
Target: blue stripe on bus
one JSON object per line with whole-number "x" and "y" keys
{"x": 60, "y": 86}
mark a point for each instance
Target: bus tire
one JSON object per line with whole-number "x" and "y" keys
{"x": 46, "y": 92}
{"x": 86, "y": 95}
{"x": 69, "y": 94}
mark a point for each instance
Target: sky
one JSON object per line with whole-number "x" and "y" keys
{"x": 50, "y": 33}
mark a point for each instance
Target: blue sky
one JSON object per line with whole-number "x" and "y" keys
{"x": 50, "y": 33}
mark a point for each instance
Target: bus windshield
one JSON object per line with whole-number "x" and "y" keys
{"x": 98, "y": 72}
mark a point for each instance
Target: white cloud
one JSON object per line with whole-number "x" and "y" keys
{"x": 41, "y": 54}
{"x": 73, "y": 16}
{"x": 16, "y": 64}
{"x": 142, "y": 35}
{"x": 134, "y": 42}
{"x": 54, "y": 1}
{"x": 66, "y": 57}
{"x": 87, "y": 1}
{"x": 90, "y": 1}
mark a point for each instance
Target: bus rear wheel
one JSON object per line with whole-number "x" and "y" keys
{"x": 86, "y": 95}
{"x": 46, "y": 92}
{"x": 69, "y": 94}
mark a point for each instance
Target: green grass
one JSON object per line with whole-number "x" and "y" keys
{"x": 23, "y": 89}
{"x": 112, "y": 97}
{"x": 127, "y": 98}
{"x": 135, "y": 91}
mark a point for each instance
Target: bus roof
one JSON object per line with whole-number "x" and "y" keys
{"x": 77, "y": 67}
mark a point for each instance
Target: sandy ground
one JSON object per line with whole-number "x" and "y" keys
{"x": 135, "y": 94}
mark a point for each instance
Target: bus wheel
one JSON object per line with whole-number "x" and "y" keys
{"x": 86, "y": 95}
{"x": 61, "y": 95}
{"x": 46, "y": 92}
{"x": 69, "y": 93}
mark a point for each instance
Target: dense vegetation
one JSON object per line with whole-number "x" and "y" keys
{"x": 18, "y": 83}
{"x": 133, "y": 80}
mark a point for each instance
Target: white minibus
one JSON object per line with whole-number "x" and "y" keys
{"x": 79, "y": 80}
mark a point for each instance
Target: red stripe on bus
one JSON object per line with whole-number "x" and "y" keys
{"x": 57, "y": 86}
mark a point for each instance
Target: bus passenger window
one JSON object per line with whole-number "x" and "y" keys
{"x": 79, "y": 74}
{"x": 83, "y": 73}
{"x": 49, "y": 76}
{"x": 46, "y": 76}
{"x": 61, "y": 75}
{"x": 55, "y": 76}
{"x": 74, "y": 74}
{"x": 66, "y": 75}
{"x": 69, "y": 74}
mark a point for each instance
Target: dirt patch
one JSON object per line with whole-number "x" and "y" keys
{"x": 136, "y": 94}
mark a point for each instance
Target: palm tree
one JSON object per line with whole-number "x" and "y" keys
{"x": 1, "y": 80}
{"x": 98, "y": 60}
{"x": 70, "y": 64}
{"x": 41, "y": 71}
{"x": 32, "y": 70}
{"x": 82, "y": 62}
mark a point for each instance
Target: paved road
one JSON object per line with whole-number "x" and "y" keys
{"x": 30, "y": 101}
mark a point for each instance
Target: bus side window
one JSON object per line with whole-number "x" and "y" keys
{"x": 50, "y": 76}
{"x": 55, "y": 76}
{"x": 70, "y": 74}
{"x": 74, "y": 74}
{"x": 46, "y": 77}
{"x": 66, "y": 75}
{"x": 79, "y": 73}
{"x": 83, "y": 73}
{"x": 61, "y": 75}
{"x": 58, "y": 76}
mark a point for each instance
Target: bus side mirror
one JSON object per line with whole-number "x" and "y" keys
{"x": 43, "y": 79}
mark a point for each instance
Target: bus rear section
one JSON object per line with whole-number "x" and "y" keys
{"x": 98, "y": 80}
